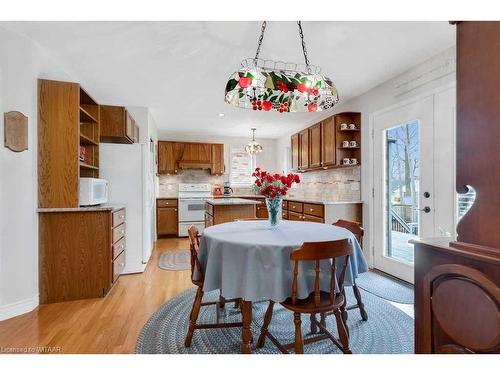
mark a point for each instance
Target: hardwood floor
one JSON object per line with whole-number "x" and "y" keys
{"x": 104, "y": 325}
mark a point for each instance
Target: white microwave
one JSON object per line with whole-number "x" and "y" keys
{"x": 93, "y": 191}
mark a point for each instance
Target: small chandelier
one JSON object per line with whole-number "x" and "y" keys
{"x": 253, "y": 147}
{"x": 285, "y": 87}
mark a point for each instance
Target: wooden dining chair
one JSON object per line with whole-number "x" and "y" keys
{"x": 318, "y": 301}
{"x": 358, "y": 231}
{"x": 197, "y": 279}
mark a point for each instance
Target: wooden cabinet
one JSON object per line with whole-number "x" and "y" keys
{"x": 304, "y": 150}
{"x": 174, "y": 156}
{"x": 167, "y": 221}
{"x": 321, "y": 145}
{"x": 328, "y": 157}
{"x": 82, "y": 253}
{"x": 301, "y": 211}
{"x": 261, "y": 209}
{"x": 295, "y": 152}
{"x": 315, "y": 151}
{"x": 169, "y": 154}
{"x": 68, "y": 142}
{"x": 118, "y": 125}
{"x": 225, "y": 213}
{"x": 217, "y": 159}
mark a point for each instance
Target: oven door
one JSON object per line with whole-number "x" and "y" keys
{"x": 191, "y": 209}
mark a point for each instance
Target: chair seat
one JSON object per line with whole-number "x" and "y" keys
{"x": 308, "y": 305}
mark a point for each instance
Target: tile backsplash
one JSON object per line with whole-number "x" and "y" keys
{"x": 333, "y": 184}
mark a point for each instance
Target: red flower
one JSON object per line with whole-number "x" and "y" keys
{"x": 245, "y": 82}
{"x": 315, "y": 91}
{"x": 296, "y": 178}
{"x": 258, "y": 183}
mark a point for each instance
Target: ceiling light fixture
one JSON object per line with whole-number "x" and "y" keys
{"x": 253, "y": 147}
{"x": 221, "y": 114}
{"x": 286, "y": 87}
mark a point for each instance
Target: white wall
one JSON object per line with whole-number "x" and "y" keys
{"x": 21, "y": 63}
{"x": 429, "y": 75}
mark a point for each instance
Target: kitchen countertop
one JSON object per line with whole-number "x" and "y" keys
{"x": 102, "y": 207}
{"x": 230, "y": 201}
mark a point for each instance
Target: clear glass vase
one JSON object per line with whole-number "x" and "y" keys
{"x": 274, "y": 210}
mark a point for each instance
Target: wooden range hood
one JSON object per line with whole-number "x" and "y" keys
{"x": 196, "y": 156}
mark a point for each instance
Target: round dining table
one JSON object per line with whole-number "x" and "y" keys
{"x": 251, "y": 260}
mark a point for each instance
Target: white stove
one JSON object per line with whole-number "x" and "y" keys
{"x": 192, "y": 206}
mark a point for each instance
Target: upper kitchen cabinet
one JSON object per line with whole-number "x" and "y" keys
{"x": 117, "y": 125}
{"x": 328, "y": 152}
{"x": 169, "y": 154}
{"x": 315, "y": 159}
{"x": 217, "y": 159}
{"x": 295, "y": 151}
{"x": 174, "y": 156}
{"x": 334, "y": 142}
{"x": 68, "y": 142}
{"x": 304, "y": 150}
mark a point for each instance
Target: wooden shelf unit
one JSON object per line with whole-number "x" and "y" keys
{"x": 68, "y": 118}
{"x": 89, "y": 134}
{"x": 320, "y": 146}
{"x": 347, "y": 135}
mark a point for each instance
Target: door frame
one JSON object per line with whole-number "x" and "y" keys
{"x": 371, "y": 168}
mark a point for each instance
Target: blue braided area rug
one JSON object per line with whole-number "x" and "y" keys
{"x": 388, "y": 329}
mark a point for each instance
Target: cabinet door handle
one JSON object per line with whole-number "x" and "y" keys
{"x": 311, "y": 209}
{"x": 175, "y": 209}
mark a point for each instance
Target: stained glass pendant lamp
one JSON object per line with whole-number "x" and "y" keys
{"x": 265, "y": 85}
{"x": 253, "y": 147}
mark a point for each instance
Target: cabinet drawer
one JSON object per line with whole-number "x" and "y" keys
{"x": 118, "y": 232}
{"x": 118, "y": 247}
{"x": 284, "y": 205}
{"x": 118, "y": 266}
{"x": 295, "y": 206}
{"x": 261, "y": 212}
{"x": 312, "y": 218}
{"x": 294, "y": 216}
{"x": 284, "y": 214}
{"x": 166, "y": 203}
{"x": 118, "y": 217}
{"x": 314, "y": 209}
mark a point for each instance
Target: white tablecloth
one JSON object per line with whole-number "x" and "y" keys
{"x": 251, "y": 260}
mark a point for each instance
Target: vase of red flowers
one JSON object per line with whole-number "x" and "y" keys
{"x": 274, "y": 187}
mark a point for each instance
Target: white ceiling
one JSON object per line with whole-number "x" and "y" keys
{"x": 179, "y": 69}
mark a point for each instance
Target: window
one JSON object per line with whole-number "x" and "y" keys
{"x": 242, "y": 166}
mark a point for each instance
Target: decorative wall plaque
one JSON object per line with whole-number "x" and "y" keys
{"x": 16, "y": 131}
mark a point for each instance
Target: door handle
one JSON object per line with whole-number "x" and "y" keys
{"x": 426, "y": 209}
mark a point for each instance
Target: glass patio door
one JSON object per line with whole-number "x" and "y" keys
{"x": 403, "y": 185}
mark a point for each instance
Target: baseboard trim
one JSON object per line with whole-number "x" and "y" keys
{"x": 17, "y": 308}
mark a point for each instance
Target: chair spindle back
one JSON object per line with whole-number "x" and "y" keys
{"x": 352, "y": 226}
{"x": 318, "y": 251}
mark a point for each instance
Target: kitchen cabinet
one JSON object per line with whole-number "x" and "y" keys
{"x": 217, "y": 159}
{"x": 295, "y": 152}
{"x": 68, "y": 128}
{"x": 169, "y": 153}
{"x": 328, "y": 142}
{"x": 174, "y": 156}
{"x": 320, "y": 146}
{"x": 225, "y": 213}
{"x": 167, "y": 221}
{"x": 261, "y": 209}
{"x": 303, "y": 150}
{"x": 82, "y": 252}
{"x": 315, "y": 154}
{"x": 117, "y": 125}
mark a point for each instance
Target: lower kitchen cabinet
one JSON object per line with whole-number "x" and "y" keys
{"x": 82, "y": 252}
{"x": 261, "y": 209}
{"x": 167, "y": 217}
